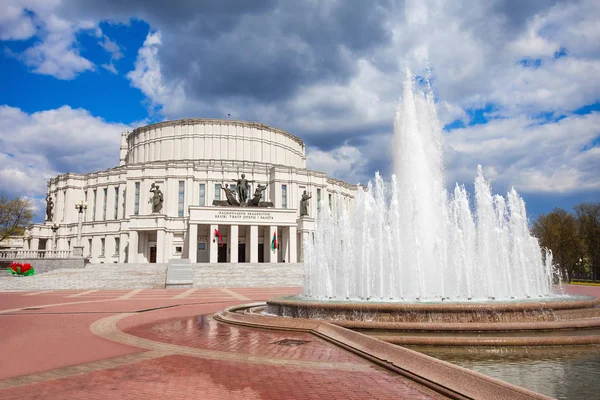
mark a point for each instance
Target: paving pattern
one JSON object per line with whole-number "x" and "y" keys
{"x": 149, "y": 343}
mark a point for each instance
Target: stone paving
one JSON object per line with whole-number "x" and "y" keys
{"x": 149, "y": 343}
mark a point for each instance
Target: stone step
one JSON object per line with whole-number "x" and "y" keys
{"x": 179, "y": 274}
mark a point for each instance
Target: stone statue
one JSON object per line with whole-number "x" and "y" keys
{"x": 49, "y": 207}
{"x": 257, "y": 195}
{"x": 242, "y": 188}
{"x": 157, "y": 198}
{"x": 230, "y": 195}
{"x": 304, "y": 204}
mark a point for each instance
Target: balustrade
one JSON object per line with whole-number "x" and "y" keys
{"x": 28, "y": 254}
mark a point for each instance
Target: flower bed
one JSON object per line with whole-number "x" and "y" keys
{"x": 16, "y": 268}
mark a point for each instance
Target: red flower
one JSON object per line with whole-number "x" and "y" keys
{"x": 15, "y": 267}
{"x": 26, "y": 267}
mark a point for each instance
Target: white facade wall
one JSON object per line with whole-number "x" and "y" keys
{"x": 191, "y": 151}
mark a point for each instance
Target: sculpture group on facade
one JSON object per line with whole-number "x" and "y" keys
{"x": 157, "y": 198}
{"x": 240, "y": 197}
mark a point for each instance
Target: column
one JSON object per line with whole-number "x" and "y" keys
{"x": 252, "y": 240}
{"x": 169, "y": 249}
{"x": 193, "y": 243}
{"x": 161, "y": 254}
{"x": 53, "y": 245}
{"x": 122, "y": 247}
{"x": 133, "y": 247}
{"x": 35, "y": 244}
{"x": 291, "y": 251}
{"x": 272, "y": 254}
{"x": 292, "y": 244}
{"x": 213, "y": 244}
{"x": 285, "y": 244}
{"x": 233, "y": 244}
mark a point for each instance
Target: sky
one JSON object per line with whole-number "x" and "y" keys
{"x": 516, "y": 83}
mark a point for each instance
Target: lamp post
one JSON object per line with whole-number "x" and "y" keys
{"x": 80, "y": 206}
{"x": 54, "y": 228}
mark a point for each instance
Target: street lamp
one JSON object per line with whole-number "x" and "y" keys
{"x": 80, "y": 206}
{"x": 54, "y": 228}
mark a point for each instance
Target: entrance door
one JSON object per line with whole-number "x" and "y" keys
{"x": 242, "y": 252}
{"x": 261, "y": 252}
{"x": 222, "y": 253}
{"x": 153, "y": 254}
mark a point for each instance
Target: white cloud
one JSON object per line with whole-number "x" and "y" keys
{"x": 343, "y": 162}
{"x": 533, "y": 156}
{"x": 36, "y": 147}
{"x": 15, "y": 23}
{"x": 148, "y": 78}
{"x": 115, "y": 53}
{"x": 57, "y": 52}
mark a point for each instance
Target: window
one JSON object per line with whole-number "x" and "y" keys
{"x": 181, "y": 198}
{"x": 136, "y": 204}
{"x": 178, "y": 249}
{"x": 283, "y": 196}
{"x": 68, "y": 245}
{"x": 202, "y": 246}
{"x": 116, "y": 202}
{"x": 64, "y": 205}
{"x": 102, "y": 247}
{"x": 94, "y": 206}
{"x": 318, "y": 199}
{"x": 90, "y": 247}
{"x": 330, "y": 201}
{"x": 217, "y": 191}
{"x": 124, "y": 201}
{"x": 104, "y": 206}
{"x": 202, "y": 194}
{"x": 117, "y": 245}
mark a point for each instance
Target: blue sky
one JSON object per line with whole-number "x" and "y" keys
{"x": 516, "y": 83}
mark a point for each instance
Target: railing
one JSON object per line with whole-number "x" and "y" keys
{"x": 24, "y": 254}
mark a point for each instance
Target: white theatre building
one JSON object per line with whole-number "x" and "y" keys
{"x": 189, "y": 160}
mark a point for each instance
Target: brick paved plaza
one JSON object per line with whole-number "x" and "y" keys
{"x": 99, "y": 340}
{"x": 158, "y": 343}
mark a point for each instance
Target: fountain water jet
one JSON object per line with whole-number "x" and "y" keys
{"x": 410, "y": 240}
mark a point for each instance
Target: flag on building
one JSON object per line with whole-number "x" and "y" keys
{"x": 217, "y": 234}
{"x": 274, "y": 242}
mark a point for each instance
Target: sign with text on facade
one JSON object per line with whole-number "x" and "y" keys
{"x": 244, "y": 216}
{"x": 241, "y": 216}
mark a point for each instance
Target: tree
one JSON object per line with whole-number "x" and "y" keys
{"x": 559, "y": 232}
{"x": 588, "y": 218}
{"x": 15, "y": 215}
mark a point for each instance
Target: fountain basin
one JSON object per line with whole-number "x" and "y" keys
{"x": 513, "y": 323}
{"x": 552, "y": 309}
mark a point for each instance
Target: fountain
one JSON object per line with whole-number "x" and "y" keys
{"x": 412, "y": 257}
{"x": 411, "y": 264}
